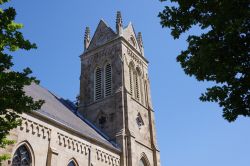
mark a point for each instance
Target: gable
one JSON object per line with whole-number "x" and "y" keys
{"x": 130, "y": 36}
{"x": 102, "y": 34}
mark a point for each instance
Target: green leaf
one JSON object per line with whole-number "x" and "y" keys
{"x": 221, "y": 54}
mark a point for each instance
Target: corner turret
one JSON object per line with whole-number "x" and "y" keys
{"x": 140, "y": 43}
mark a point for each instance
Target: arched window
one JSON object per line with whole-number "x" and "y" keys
{"x": 22, "y": 157}
{"x": 98, "y": 83}
{"x": 72, "y": 163}
{"x": 144, "y": 160}
{"x": 142, "y": 163}
{"x": 138, "y": 85}
{"x": 108, "y": 80}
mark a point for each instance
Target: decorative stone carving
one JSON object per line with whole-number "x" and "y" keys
{"x": 139, "y": 120}
{"x": 73, "y": 144}
{"x": 107, "y": 158}
{"x": 133, "y": 56}
{"x": 35, "y": 129}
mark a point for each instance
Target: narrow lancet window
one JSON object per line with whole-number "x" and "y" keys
{"x": 141, "y": 90}
{"x": 137, "y": 96}
{"x": 108, "y": 80}
{"x": 98, "y": 83}
{"x": 131, "y": 79}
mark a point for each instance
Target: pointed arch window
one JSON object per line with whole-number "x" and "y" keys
{"x": 108, "y": 80}
{"x": 98, "y": 83}
{"x": 72, "y": 163}
{"x": 22, "y": 157}
{"x": 138, "y": 85}
{"x": 144, "y": 160}
{"x": 141, "y": 163}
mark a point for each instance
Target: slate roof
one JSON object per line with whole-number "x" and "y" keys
{"x": 55, "y": 109}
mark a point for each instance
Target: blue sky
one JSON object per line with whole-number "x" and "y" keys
{"x": 190, "y": 133}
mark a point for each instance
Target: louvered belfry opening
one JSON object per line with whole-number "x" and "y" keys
{"x": 137, "y": 87}
{"x": 108, "y": 80}
{"x": 130, "y": 80}
{"x": 141, "y": 90}
{"x": 98, "y": 83}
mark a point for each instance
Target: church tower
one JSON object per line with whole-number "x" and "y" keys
{"x": 115, "y": 91}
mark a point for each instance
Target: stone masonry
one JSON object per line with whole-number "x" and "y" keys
{"x": 113, "y": 123}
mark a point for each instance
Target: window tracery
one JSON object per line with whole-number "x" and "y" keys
{"x": 22, "y": 157}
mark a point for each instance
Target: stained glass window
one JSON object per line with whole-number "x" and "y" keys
{"x": 72, "y": 163}
{"x": 22, "y": 157}
{"x": 141, "y": 163}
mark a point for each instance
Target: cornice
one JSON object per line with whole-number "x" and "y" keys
{"x": 72, "y": 131}
{"x": 121, "y": 38}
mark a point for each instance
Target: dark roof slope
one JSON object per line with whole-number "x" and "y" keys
{"x": 54, "y": 108}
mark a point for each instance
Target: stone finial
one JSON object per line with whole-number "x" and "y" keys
{"x": 119, "y": 23}
{"x": 140, "y": 42}
{"x": 139, "y": 39}
{"x": 86, "y": 38}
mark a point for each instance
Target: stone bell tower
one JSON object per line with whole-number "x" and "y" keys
{"x": 115, "y": 91}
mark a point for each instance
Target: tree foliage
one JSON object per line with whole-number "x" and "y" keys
{"x": 221, "y": 54}
{"x": 13, "y": 100}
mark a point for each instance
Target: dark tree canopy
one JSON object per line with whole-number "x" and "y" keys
{"x": 221, "y": 54}
{"x": 13, "y": 100}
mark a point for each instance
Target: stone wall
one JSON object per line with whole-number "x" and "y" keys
{"x": 142, "y": 142}
{"x": 109, "y": 107}
{"x": 51, "y": 145}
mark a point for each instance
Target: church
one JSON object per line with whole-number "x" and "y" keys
{"x": 112, "y": 123}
